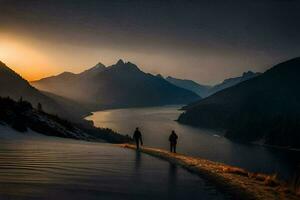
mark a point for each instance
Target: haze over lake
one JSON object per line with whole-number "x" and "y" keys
{"x": 156, "y": 124}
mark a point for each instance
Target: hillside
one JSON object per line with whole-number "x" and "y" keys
{"x": 119, "y": 85}
{"x": 21, "y": 116}
{"x": 14, "y": 86}
{"x": 231, "y": 82}
{"x": 265, "y": 108}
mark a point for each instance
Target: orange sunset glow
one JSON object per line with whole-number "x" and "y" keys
{"x": 144, "y": 99}
{"x": 24, "y": 58}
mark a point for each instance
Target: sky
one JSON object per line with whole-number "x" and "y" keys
{"x": 206, "y": 41}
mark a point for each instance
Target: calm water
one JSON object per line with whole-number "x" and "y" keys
{"x": 68, "y": 169}
{"x": 156, "y": 124}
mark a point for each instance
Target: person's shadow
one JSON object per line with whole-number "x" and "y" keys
{"x": 172, "y": 181}
{"x": 136, "y": 167}
{"x": 137, "y": 160}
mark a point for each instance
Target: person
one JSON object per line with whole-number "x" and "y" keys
{"x": 137, "y": 136}
{"x": 173, "y": 141}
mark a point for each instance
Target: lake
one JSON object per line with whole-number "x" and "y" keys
{"x": 55, "y": 168}
{"x": 156, "y": 124}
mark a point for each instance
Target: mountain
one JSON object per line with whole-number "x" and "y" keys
{"x": 231, "y": 82}
{"x": 14, "y": 86}
{"x": 265, "y": 108}
{"x": 207, "y": 90}
{"x": 75, "y": 110}
{"x": 201, "y": 90}
{"x": 119, "y": 85}
{"x": 93, "y": 71}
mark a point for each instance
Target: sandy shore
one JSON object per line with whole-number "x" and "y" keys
{"x": 240, "y": 183}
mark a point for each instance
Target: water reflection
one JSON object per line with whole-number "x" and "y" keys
{"x": 172, "y": 181}
{"x": 137, "y": 160}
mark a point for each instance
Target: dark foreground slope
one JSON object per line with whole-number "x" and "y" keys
{"x": 265, "y": 108}
{"x": 21, "y": 116}
{"x": 119, "y": 85}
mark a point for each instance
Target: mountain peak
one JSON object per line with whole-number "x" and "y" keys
{"x": 171, "y": 78}
{"x": 3, "y": 65}
{"x": 99, "y": 65}
{"x": 66, "y": 74}
{"x": 160, "y": 76}
{"x": 5, "y": 69}
{"x": 248, "y": 73}
{"x": 120, "y": 62}
{"x": 96, "y": 69}
{"x": 125, "y": 67}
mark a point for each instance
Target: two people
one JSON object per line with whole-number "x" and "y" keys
{"x": 137, "y": 136}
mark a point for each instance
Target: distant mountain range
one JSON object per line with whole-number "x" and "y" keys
{"x": 14, "y": 86}
{"x": 265, "y": 108}
{"x": 201, "y": 90}
{"x": 227, "y": 83}
{"x": 206, "y": 90}
{"x": 119, "y": 85}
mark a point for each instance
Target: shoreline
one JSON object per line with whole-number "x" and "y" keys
{"x": 238, "y": 182}
{"x": 277, "y": 147}
{"x": 211, "y": 129}
{"x": 130, "y": 107}
{"x": 241, "y": 142}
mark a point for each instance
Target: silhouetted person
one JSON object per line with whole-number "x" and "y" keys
{"x": 40, "y": 107}
{"x": 137, "y": 136}
{"x": 173, "y": 141}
